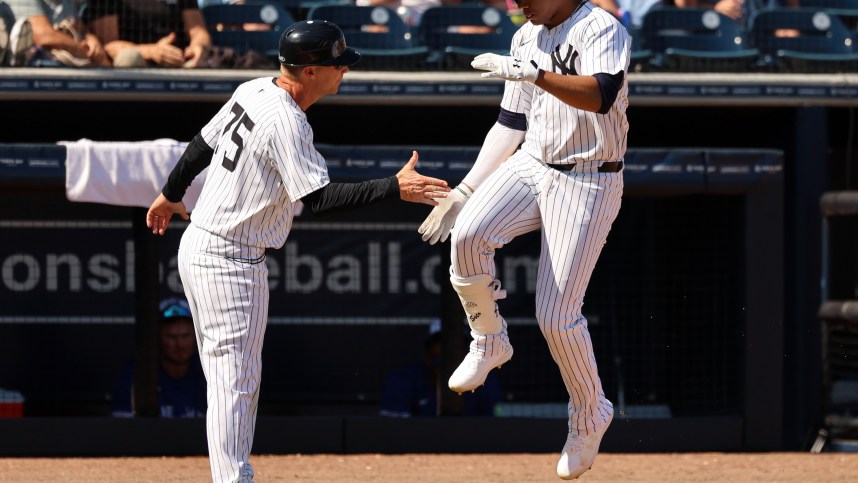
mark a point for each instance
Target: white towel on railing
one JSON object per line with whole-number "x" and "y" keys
{"x": 124, "y": 173}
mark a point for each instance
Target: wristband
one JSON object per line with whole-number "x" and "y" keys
{"x": 463, "y": 191}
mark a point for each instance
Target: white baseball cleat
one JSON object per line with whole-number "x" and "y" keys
{"x": 580, "y": 451}
{"x": 472, "y": 372}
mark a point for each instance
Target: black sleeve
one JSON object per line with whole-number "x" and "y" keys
{"x": 196, "y": 158}
{"x": 610, "y": 85}
{"x": 335, "y": 197}
{"x": 512, "y": 120}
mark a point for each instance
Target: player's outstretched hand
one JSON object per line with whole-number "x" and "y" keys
{"x": 505, "y": 67}
{"x": 159, "y": 214}
{"x": 416, "y": 188}
{"x": 440, "y": 221}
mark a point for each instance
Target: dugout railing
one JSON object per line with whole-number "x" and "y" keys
{"x": 838, "y": 315}
{"x": 376, "y": 88}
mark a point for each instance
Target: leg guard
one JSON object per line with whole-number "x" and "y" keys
{"x": 490, "y": 347}
{"x": 478, "y": 294}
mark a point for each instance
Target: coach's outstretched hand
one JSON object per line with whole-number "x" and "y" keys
{"x": 416, "y": 188}
{"x": 505, "y": 67}
{"x": 159, "y": 214}
{"x": 440, "y": 221}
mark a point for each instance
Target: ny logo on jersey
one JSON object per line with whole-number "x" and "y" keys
{"x": 566, "y": 64}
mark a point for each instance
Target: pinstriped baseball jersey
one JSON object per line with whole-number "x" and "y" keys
{"x": 574, "y": 208}
{"x": 264, "y": 161}
{"x": 590, "y": 41}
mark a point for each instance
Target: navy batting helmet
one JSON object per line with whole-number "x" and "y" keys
{"x": 315, "y": 42}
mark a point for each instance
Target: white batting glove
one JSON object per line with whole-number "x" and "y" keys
{"x": 440, "y": 221}
{"x": 505, "y": 67}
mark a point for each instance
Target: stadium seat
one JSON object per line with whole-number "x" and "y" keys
{"x": 696, "y": 40}
{"x": 378, "y": 33}
{"x": 850, "y": 5}
{"x": 847, "y": 10}
{"x": 300, "y": 8}
{"x": 455, "y": 34}
{"x": 640, "y": 56}
{"x": 824, "y": 44}
{"x": 249, "y": 26}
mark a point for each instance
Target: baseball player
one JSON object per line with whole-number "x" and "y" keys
{"x": 262, "y": 163}
{"x": 565, "y": 97}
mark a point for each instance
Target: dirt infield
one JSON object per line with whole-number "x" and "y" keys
{"x": 434, "y": 468}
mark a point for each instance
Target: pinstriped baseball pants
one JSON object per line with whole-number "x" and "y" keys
{"x": 575, "y": 210}
{"x": 229, "y": 303}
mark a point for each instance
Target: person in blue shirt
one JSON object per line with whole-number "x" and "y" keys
{"x": 630, "y": 13}
{"x": 742, "y": 10}
{"x": 181, "y": 383}
{"x": 411, "y": 390}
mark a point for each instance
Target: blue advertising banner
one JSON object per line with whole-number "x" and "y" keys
{"x": 328, "y": 272}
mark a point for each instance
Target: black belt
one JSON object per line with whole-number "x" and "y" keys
{"x": 606, "y": 167}
{"x": 252, "y": 261}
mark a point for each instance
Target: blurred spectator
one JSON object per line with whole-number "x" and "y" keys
{"x": 734, "y": 9}
{"x": 51, "y": 33}
{"x": 629, "y": 12}
{"x": 141, "y": 33}
{"x": 409, "y": 10}
{"x": 739, "y": 9}
{"x": 228, "y": 56}
{"x": 181, "y": 383}
{"x": 510, "y": 7}
{"x": 7, "y": 19}
{"x": 412, "y": 390}
{"x": 248, "y": 27}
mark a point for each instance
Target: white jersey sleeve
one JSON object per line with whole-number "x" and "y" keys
{"x": 301, "y": 165}
{"x": 604, "y": 46}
